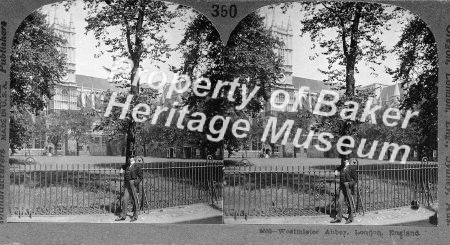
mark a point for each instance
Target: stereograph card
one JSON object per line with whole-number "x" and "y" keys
{"x": 224, "y": 122}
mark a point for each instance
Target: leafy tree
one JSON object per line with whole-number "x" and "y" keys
{"x": 249, "y": 56}
{"x": 20, "y": 122}
{"x": 302, "y": 119}
{"x": 80, "y": 125}
{"x": 130, "y": 29}
{"x": 357, "y": 27}
{"x": 58, "y": 126}
{"x": 54, "y": 126}
{"x": 36, "y": 66}
{"x": 382, "y": 133}
{"x": 159, "y": 136}
{"x": 115, "y": 128}
{"x": 418, "y": 74}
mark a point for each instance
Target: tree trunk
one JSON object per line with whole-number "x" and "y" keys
{"x": 350, "y": 57}
{"x": 131, "y": 140}
{"x": 78, "y": 149}
{"x": 131, "y": 130}
{"x": 55, "y": 145}
{"x": 273, "y": 148}
{"x": 66, "y": 145}
{"x": 353, "y": 52}
{"x": 135, "y": 54}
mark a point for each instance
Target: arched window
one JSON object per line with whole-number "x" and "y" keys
{"x": 65, "y": 95}
{"x": 281, "y": 98}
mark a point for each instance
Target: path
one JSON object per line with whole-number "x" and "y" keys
{"x": 194, "y": 214}
{"x": 397, "y": 216}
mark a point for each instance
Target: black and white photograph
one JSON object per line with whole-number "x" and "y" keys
{"x": 349, "y": 135}
{"x": 75, "y": 159}
{"x": 224, "y": 122}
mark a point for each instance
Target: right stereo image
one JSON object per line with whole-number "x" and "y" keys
{"x": 343, "y": 122}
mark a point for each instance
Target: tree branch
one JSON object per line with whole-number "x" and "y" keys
{"x": 138, "y": 28}
{"x": 354, "y": 30}
{"x": 128, "y": 33}
{"x": 342, "y": 24}
{"x": 335, "y": 13}
{"x": 344, "y": 36}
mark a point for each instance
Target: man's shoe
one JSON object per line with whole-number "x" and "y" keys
{"x": 349, "y": 221}
{"x": 120, "y": 219}
{"x": 133, "y": 219}
{"x": 335, "y": 221}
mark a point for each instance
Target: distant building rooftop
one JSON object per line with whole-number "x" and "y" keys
{"x": 314, "y": 85}
{"x": 390, "y": 91}
{"x": 89, "y": 82}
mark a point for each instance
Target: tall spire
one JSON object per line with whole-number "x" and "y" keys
{"x": 396, "y": 94}
{"x": 396, "y": 90}
{"x": 266, "y": 21}
{"x": 55, "y": 18}
{"x": 92, "y": 95}
{"x": 83, "y": 98}
{"x": 48, "y": 17}
{"x": 289, "y": 26}
{"x": 71, "y": 22}
{"x": 273, "y": 18}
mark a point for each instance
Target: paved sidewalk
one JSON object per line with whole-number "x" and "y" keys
{"x": 196, "y": 213}
{"x": 398, "y": 216}
{"x": 205, "y": 214}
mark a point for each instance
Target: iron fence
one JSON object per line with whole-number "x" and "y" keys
{"x": 312, "y": 190}
{"x": 87, "y": 189}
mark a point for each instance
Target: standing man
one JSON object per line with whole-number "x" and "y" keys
{"x": 132, "y": 177}
{"x": 347, "y": 180}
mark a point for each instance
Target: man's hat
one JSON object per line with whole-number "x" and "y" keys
{"x": 131, "y": 157}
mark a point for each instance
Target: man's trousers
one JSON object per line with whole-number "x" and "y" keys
{"x": 345, "y": 194}
{"x": 130, "y": 190}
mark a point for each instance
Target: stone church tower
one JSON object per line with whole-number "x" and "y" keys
{"x": 66, "y": 93}
{"x": 285, "y": 34}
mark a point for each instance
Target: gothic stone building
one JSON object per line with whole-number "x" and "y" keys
{"x": 72, "y": 93}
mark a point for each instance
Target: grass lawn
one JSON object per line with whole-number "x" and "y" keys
{"x": 278, "y": 187}
{"x": 92, "y": 192}
{"x": 95, "y": 160}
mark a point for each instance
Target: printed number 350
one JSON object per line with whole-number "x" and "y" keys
{"x": 224, "y": 10}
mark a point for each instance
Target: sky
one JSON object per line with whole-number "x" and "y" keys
{"x": 88, "y": 64}
{"x": 302, "y": 49}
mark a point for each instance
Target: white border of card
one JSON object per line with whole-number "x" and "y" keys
{"x": 434, "y": 13}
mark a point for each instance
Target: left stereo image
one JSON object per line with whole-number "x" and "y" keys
{"x": 99, "y": 128}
